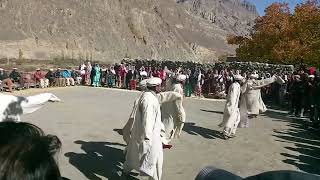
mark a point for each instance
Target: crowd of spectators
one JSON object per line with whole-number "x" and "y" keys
{"x": 300, "y": 92}
{"x": 21, "y": 143}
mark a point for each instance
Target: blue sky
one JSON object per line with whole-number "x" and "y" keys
{"x": 262, "y": 4}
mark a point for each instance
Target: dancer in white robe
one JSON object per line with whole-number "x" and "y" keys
{"x": 251, "y": 103}
{"x": 12, "y": 107}
{"x": 145, "y": 148}
{"x": 173, "y": 113}
{"x": 126, "y": 130}
{"x": 231, "y": 115}
{"x": 163, "y": 97}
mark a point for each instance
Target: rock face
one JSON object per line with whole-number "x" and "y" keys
{"x": 233, "y": 16}
{"x": 109, "y": 30}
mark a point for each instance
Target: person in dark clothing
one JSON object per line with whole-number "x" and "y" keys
{"x": 50, "y": 76}
{"x": 298, "y": 92}
{"x": 316, "y": 119}
{"x": 310, "y": 93}
{"x": 130, "y": 76}
{"x": 15, "y": 76}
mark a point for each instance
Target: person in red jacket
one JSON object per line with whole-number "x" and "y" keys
{"x": 40, "y": 79}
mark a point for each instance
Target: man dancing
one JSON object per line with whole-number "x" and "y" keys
{"x": 145, "y": 149}
{"x": 231, "y": 115}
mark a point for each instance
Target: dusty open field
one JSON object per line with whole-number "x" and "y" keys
{"x": 86, "y": 119}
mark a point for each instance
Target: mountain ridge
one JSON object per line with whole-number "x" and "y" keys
{"x": 109, "y": 30}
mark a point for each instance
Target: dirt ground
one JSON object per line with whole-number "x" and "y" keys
{"x": 87, "y": 118}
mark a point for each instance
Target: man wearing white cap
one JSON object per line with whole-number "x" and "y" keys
{"x": 40, "y": 79}
{"x": 163, "y": 97}
{"x": 251, "y": 103}
{"x": 50, "y": 76}
{"x": 173, "y": 113}
{"x": 126, "y": 130}
{"x": 145, "y": 149}
{"x": 251, "y": 98}
{"x": 231, "y": 115}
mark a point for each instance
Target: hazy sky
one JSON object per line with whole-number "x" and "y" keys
{"x": 262, "y": 4}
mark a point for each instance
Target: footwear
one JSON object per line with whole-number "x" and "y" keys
{"x": 225, "y": 137}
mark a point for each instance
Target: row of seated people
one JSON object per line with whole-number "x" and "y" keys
{"x": 20, "y": 80}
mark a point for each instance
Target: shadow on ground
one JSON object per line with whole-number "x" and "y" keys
{"x": 119, "y": 131}
{"x": 102, "y": 159}
{"x": 305, "y": 154}
{"x": 192, "y": 129}
{"x": 210, "y": 111}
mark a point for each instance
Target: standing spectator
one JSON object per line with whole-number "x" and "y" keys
{"x": 228, "y": 80}
{"x": 297, "y": 92}
{"x": 4, "y": 79}
{"x": 317, "y": 100}
{"x": 96, "y": 72}
{"x": 143, "y": 73}
{"x": 40, "y": 79}
{"x": 163, "y": 75}
{"x": 129, "y": 77}
{"x": 199, "y": 77}
{"x": 206, "y": 82}
{"x": 310, "y": 95}
{"x": 83, "y": 69}
{"x": 112, "y": 75}
{"x": 188, "y": 83}
{"x": 123, "y": 74}
{"x": 117, "y": 77}
{"x": 89, "y": 73}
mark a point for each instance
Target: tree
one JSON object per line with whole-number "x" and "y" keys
{"x": 282, "y": 37}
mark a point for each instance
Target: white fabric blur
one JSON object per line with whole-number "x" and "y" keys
{"x": 11, "y": 107}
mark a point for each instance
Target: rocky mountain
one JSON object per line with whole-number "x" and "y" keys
{"x": 109, "y": 30}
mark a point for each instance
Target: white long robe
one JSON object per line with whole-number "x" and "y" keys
{"x": 231, "y": 115}
{"x": 163, "y": 97}
{"x": 251, "y": 100}
{"x": 144, "y": 151}
{"x": 173, "y": 115}
{"x": 12, "y": 107}
{"x": 126, "y": 130}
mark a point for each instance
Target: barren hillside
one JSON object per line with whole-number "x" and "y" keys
{"x": 109, "y": 30}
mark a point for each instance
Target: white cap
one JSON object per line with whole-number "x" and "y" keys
{"x": 38, "y": 69}
{"x": 14, "y": 68}
{"x": 181, "y": 77}
{"x": 1, "y": 69}
{"x": 311, "y": 76}
{"x": 238, "y": 77}
{"x": 254, "y": 76}
{"x": 143, "y": 83}
{"x": 155, "y": 81}
{"x": 143, "y": 73}
{"x": 51, "y": 69}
